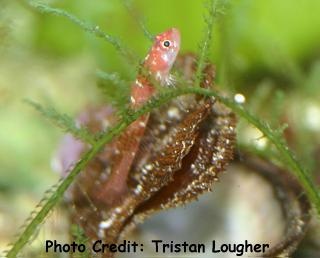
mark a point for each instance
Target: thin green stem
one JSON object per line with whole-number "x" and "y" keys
{"x": 206, "y": 42}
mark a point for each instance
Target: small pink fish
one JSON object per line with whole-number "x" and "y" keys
{"x": 158, "y": 64}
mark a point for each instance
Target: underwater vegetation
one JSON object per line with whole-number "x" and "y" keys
{"x": 155, "y": 101}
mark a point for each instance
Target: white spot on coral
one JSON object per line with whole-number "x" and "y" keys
{"x": 118, "y": 210}
{"x": 149, "y": 167}
{"x": 212, "y": 171}
{"x": 138, "y": 189}
{"x": 174, "y": 113}
{"x": 183, "y": 145}
{"x": 106, "y": 223}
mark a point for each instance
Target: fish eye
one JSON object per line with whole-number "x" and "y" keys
{"x": 166, "y": 43}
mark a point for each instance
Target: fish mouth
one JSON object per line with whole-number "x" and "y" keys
{"x": 175, "y": 35}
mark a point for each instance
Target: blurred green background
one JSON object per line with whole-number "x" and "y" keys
{"x": 261, "y": 48}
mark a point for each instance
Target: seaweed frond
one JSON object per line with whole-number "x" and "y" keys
{"x": 215, "y": 8}
{"x": 64, "y": 122}
{"x": 139, "y": 19}
{"x": 115, "y": 89}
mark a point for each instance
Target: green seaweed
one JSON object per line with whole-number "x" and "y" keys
{"x": 63, "y": 121}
